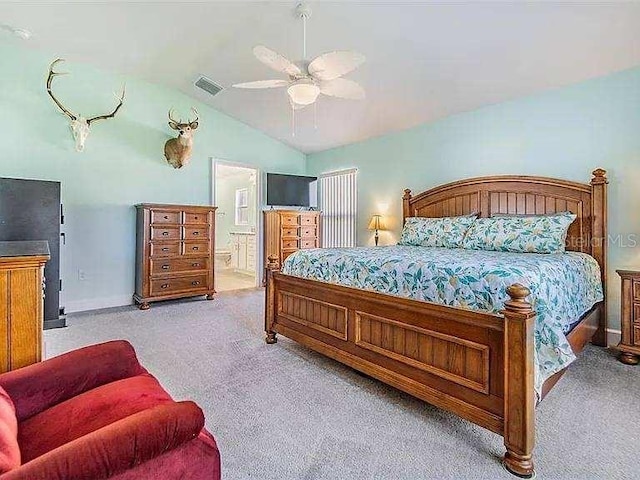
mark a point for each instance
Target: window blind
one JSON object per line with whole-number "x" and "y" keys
{"x": 338, "y": 203}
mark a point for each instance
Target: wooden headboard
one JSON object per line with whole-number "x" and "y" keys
{"x": 524, "y": 195}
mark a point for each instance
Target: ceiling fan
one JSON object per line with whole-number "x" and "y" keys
{"x": 307, "y": 80}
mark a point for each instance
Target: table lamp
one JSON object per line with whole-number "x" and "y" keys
{"x": 377, "y": 223}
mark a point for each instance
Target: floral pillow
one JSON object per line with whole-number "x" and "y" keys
{"x": 445, "y": 232}
{"x": 524, "y": 234}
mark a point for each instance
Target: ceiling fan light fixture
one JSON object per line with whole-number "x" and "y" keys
{"x": 307, "y": 80}
{"x": 303, "y": 93}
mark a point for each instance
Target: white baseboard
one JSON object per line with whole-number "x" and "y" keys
{"x": 97, "y": 303}
{"x": 613, "y": 336}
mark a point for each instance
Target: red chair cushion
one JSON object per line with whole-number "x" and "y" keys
{"x": 87, "y": 413}
{"x": 9, "y": 448}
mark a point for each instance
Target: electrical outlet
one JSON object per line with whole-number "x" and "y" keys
{"x": 82, "y": 275}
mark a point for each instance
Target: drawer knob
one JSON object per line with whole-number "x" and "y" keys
{"x": 195, "y": 248}
{"x": 196, "y": 282}
{"x": 196, "y": 217}
{"x": 164, "y": 285}
{"x": 165, "y": 249}
{"x": 166, "y": 217}
{"x": 195, "y": 264}
{"x": 196, "y": 233}
{"x": 164, "y": 234}
{"x": 165, "y": 267}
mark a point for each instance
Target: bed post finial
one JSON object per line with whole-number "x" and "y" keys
{"x": 599, "y": 240}
{"x": 520, "y": 401}
{"x": 518, "y": 302}
{"x": 599, "y": 176}
{"x": 272, "y": 262}
{"x": 406, "y": 205}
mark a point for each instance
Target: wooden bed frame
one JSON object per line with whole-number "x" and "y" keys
{"x": 477, "y": 365}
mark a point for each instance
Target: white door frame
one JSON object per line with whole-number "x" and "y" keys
{"x": 219, "y": 161}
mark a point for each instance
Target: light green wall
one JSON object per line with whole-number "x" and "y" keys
{"x": 564, "y": 133}
{"x": 122, "y": 164}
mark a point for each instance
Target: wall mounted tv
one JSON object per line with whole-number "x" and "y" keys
{"x": 290, "y": 190}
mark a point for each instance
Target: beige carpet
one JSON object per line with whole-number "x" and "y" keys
{"x": 227, "y": 280}
{"x": 283, "y": 412}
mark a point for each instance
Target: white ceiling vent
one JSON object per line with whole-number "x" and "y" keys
{"x": 208, "y": 85}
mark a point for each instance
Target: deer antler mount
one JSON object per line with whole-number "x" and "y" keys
{"x": 80, "y": 126}
{"x": 178, "y": 150}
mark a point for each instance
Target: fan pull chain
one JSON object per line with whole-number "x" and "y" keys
{"x": 293, "y": 120}
{"x": 315, "y": 115}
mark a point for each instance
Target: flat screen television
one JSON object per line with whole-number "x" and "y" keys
{"x": 290, "y": 190}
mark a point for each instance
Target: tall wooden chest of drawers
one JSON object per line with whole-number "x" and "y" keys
{"x": 21, "y": 303}
{"x": 174, "y": 252}
{"x": 287, "y": 231}
{"x": 629, "y": 345}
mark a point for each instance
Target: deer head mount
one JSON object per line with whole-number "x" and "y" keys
{"x": 80, "y": 126}
{"x": 177, "y": 150}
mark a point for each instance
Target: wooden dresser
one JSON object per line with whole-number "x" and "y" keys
{"x": 174, "y": 252}
{"x": 629, "y": 345}
{"x": 287, "y": 231}
{"x": 21, "y": 303}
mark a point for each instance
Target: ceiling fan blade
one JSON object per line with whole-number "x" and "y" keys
{"x": 335, "y": 64}
{"x": 342, "y": 88}
{"x": 263, "y": 84}
{"x": 276, "y": 61}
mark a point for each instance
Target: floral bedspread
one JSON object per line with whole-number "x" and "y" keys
{"x": 563, "y": 286}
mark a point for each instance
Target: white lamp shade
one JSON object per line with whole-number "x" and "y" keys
{"x": 303, "y": 93}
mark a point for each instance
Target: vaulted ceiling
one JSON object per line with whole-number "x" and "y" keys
{"x": 425, "y": 60}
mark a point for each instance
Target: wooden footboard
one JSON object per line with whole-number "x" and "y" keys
{"x": 476, "y": 365}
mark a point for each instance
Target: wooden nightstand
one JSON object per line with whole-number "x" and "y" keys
{"x": 21, "y": 302}
{"x": 629, "y": 345}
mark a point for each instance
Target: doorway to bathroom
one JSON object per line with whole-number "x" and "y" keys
{"x": 236, "y": 193}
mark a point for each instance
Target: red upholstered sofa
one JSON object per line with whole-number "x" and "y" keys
{"x": 96, "y": 413}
